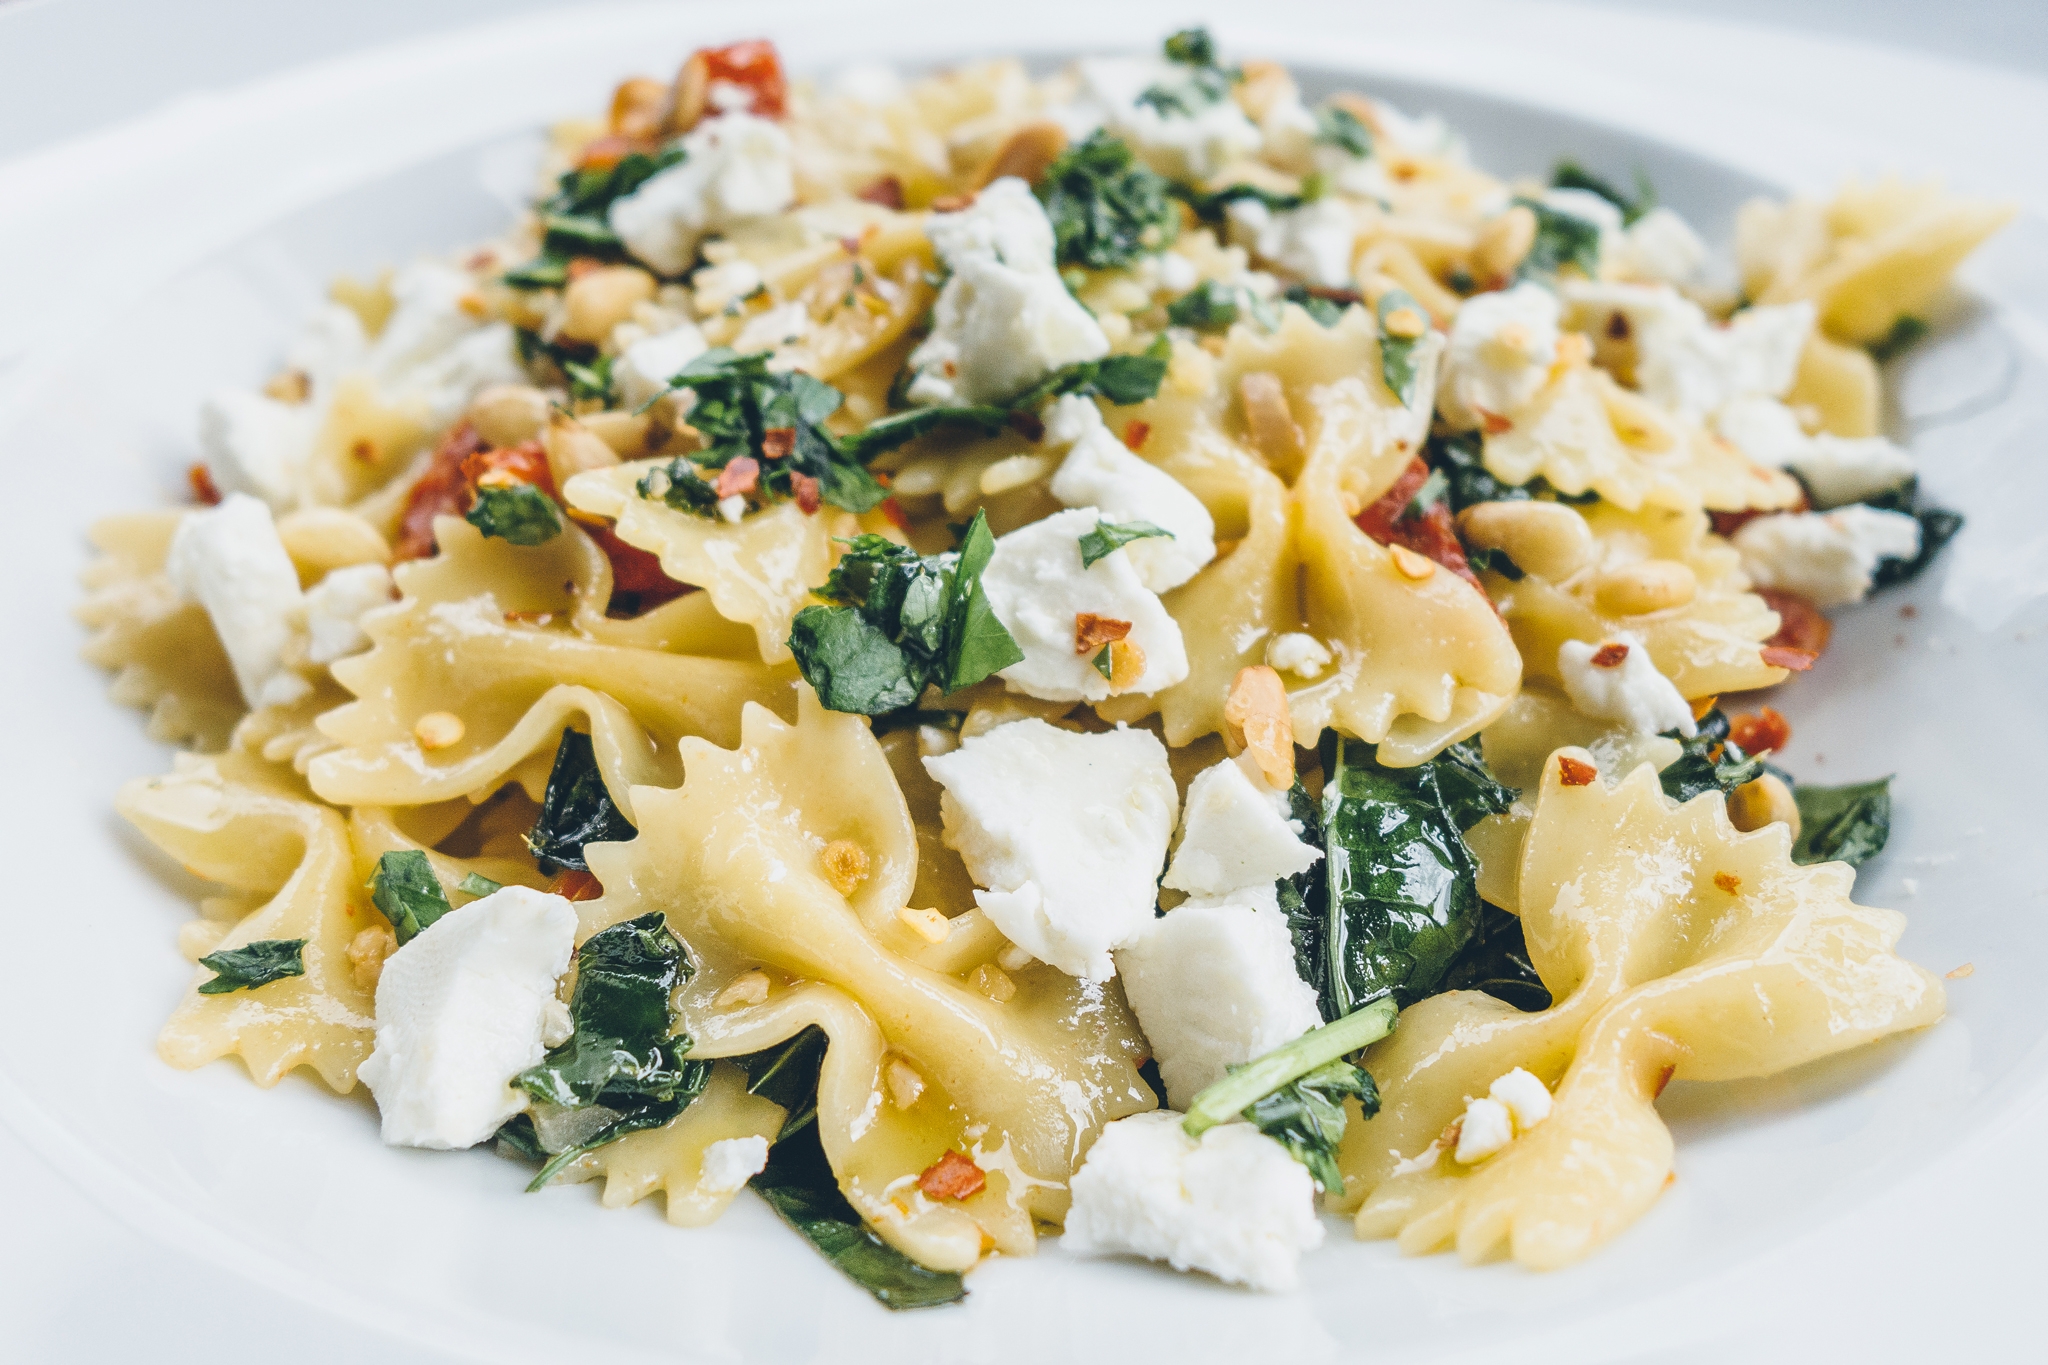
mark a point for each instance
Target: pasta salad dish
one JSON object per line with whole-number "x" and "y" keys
{"x": 1124, "y": 651}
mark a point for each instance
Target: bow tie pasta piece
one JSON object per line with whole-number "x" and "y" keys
{"x": 738, "y": 859}
{"x": 238, "y": 821}
{"x": 485, "y": 635}
{"x": 1658, "y": 576}
{"x": 759, "y": 571}
{"x": 161, "y": 648}
{"x": 1690, "y": 950}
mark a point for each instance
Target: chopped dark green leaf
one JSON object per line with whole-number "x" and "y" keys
{"x": 1210, "y": 306}
{"x": 787, "y": 1074}
{"x": 1245, "y": 1085}
{"x": 1122, "y": 379}
{"x": 475, "y": 884}
{"x": 1906, "y": 333}
{"x": 1562, "y": 240}
{"x": 1209, "y": 206}
{"x": 589, "y": 382}
{"x": 903, "y": 427}
{"x": 576, "y": 810}
{"x": 253, "y": 964}
{"x": 1497, "y": 961}
{"x": 1108, "y": 537}
{"x": 980, "y": 646}
{"x": 1710, "y": 761}
{"x": 1842, "y": 824}
{"x": 1104, "y": 663}
{"x": 519, "y": 513}
{"x": 1306, "y": 1116}
{"x": 1461, "y": 458}
{"x": 1107, "y": 208}
{"x": 851, "y": 662}
{"x": 1205, "y": 83}
{"x": 1327, "y": 312}
{"x": 1397, "y": 351}
{"x": 1191, "y": 47}
{"x": 1938, "y": 526}
{"x": 519, "y": 1138}
{"x": 1488, "y": 559}
{"x": 1340, "y": 128}
{"x": 542, "y": 272}
{"x": 1570, "y": 175}
{"x": 1469, "y": 790}
{"x": 575, "y": 220}
{"x": 407, "y": 891}
{"x": 578, "y": 234}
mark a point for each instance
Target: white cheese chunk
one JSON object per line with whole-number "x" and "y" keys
{"x": 1528, "y": 1099}
{"x": 330, "y": 344}
{"x": 644, "y": 368}
{"x": 1066, "y": 831}
{"x": 229, "y": 560}
{"x": 1235, "y": 832}
{"x": 731, "y": 1162}
{"x": 256, "y": 445}
{"x": 335, "y": 607}
{"x": 448, "y": 381}
{"x": 1189, "y": 142}
{"x": 1661, "y": 245}
{"x": 427, "y": 319}
{"x": 1501, "y": 348}
{"x": 1629, "y": 690}
{"x": 1004, "y": 223}
{"x": 1839, "y": 470}
{"x": 1825, "y": 557}
{"x": 1683, "y": 360}
{"x": 776, "y": 327}
{"x": 1233, "y": 1203}
{"x": 1487, "y": 1127}
{"x": 1037, "y": 586}
{"x": 1762, "y": 428}
{"x": 736, "y": 167}
{"x": 1585, "y": 206}
{"x": 1315, "y": 242}
{"x": 460, "y": 1012}
{"x": 1101, "y": 472}
{"x": 1214, "y": 985}
{"x": 1302, "y": 655}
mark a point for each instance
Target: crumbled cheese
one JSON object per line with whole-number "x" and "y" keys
{"x": 1233, "y": 1203}
{"x": 1527, "y": 1099}
{"x": 1037, "y": 585}
{"x": 1486, "y": 1128}
{"x": 722, "y": 283}
{"x": 1287, "y": 131}
{"x": 733, "y": 509}
{"x": 1763, "y": 429}
{"x": 335, "y": 606}
{"x": 1585, "y": 206}
{"x": 1302, "y": 655}
{"x": 1630, "y": 690}
{"x": 1315, "y": 241}
{"x": 460, "y": 1012}
{"x": 1004, "y": 319}
{"x": 1214, "y": 985}
{"x": 1066, "y": 831}
{"x": 329, "y": 345}
{"x": 736, "y": 167}
{"x": 730, "y": 1163}
{"x": 448, "y": 381}
{"x": 1839, "y": 470}
{"x": 257, "y": 445}
{"x": 776, "y": 327}
{"x": 229, "y": 560}
{"x": 1418, "y": 134}
{"x": 1235, "y": 832}
{"x": 1189, "y": 146}
{"x": 1101, "y": 472}
{"x": 1661, "y": 245}
{"x": 1502, "y": 346}
{"x": 1825, "y": 557}
{"x": 643, "y": 369}
{"x": 427, "y": 318}
{"x": 1684, "y": 361}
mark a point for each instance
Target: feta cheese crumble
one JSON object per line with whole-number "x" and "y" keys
{"x": 230, "y": 561}
{"x": 1837, "y": 470}
{"x": 1662, "y": 246}
{"x": 1066, "y": 831}
{"x": 335, "y": 607}
{"x": 644, "y": 368}
{"x": 1302, "y": 655}
{"x": 257, "y": 445}
{"x": 1315, "y": 241}
{"x": 1617, "y": 680}
{"x": 1825, "y": 557}
{"x": 1232, "y": 1203}
{"x": 736, "y": 167}
{"x": 460, "y": 1011}
{"x": 1037, "y": 585}
{"x": 1235, "y": 832}
{"x": 1513, "y": 1104}
{"x": 1101, "y": 472}
{"x": 1528, "y": 1099}
{"x": 1683, "y": 360}
{"x": 1004, "y": 319}
{"x": 1501, "y": 348}
{"x": 731, "y": 1162}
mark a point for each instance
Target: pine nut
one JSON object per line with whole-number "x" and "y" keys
{"x": 366, "y": 954}
{"x": 845, "y": 864}
{"x": 1504, "y": 243}
{"x": 638, "y": 106}
{"x": 930, "y": 925}
{"x": 748, "y": 988}
{"x": 993, "y": 982}
{"x": 1766, "y": 801}
{"x": 1013, "y": 471}
{"x": 906, "y": 1086}
{"x": 1647, "y": 586}
{"x": 506, "y": 415}
{"x": 601, "y": 300}
{"x": 438, "y": 730}
{"x": 1543, "y": 538}
{"x": 1027, "y": 154}
{"x": 1410, "y": 564}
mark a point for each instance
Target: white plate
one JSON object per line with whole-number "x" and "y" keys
{"x": 1861, "y": 1202}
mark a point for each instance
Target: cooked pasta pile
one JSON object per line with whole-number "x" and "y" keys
{"x": 1125, "y": 650}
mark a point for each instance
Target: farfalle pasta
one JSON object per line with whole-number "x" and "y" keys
{"x": 885, "y": 616}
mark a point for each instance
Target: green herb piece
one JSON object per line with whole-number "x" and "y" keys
{"x": 542, "y": 272}
{"x": 1841, "y": 824}
{"x": 1570, "y": 175}
{"x": 1209, "y": 206}
{"x": 575, "y": 220}
{"x": 1468, "y": 788}
{"x": 1325, "y": 311}
{"x": 1210, "y": 306}
{"x": 579, "y": 234}
{"x": 902, "y": 622}
{"x": 253, "y": 964}
{"x": 1340, "y": 128}
{"x": 1462, "y": 460}
{"x": 478, "y": 885}
{"x": 1938, "y": 526}
{"x": 903, "y": 427}
{"x": 1497, "y": 961}
{"x": 1110, "y": 536}
{"x": 799, "y": 1185}
{"x": 576, "y": 810}
{"x": 589, "y": 382}
{"x": 1104, "y": 663}
{"x": 1107, "y": 208}
{"x": 1487, "y": 558}
{"x": 1122, "y": 379}
{"x": 1906, "y": 332}
{"x": 1711, "y": 762}
{"x": 1306, "y": 1116}
{"x": 407, "y": 891}
{"x": 519, "y": 513}
{"x": 1397, "y": 353}
{"x": 1301, "y": 896}
{"x": 1562, "y": 240}
{"x": 1191, "y": 47}
{"x": 1245, "y": 1085}
{"x": 519, "y": 1137}
{"x": 787, "y": 1074}
{"x": 1194, "y": 51}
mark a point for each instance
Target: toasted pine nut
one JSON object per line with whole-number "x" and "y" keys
{"x": 692, "y": 94}
{"x": 1503, "y": 243}
{"x": 993, "y": 982}
{"x": 1766, "y": 801}
{"x": 1646, "y": 586}
{"x": 1257, "y": 717}
{"x": 1410, "y": 564}
{"x": 1405, "y": 323}
{"x": 1013, "y": 471}
{"x": 638, "y": 106}
{"x": 366, "y": 954}
{"x": 931, "y": 925}
{"x": 573, "y": 448}
{"x": 438, "y": 730}
{"x": 507, "y": 415}
{"x": 629, "y": 435}
{"x": 1126, "y": 665}
{"x": 906, "y": 1086}
{"x": 1547, "y": 539}
{"x": 1268, "y": 420}
{"x": 748, "y": 988}
{"x": 289, "y": 386}
{"x": 845, "y": 864}
{"x": 1026, "y": 154}
{"x": 601, "y": 300}
{"x": 322, "y": 539}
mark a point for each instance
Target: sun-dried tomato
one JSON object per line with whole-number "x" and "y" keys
{"x": 636, "y": 574}
{"x": 1780, "y": 656}
{"x": 1762, "y": 733}
{"x": 755, "y": 67}
{"x": 1092, "y": 632}
{"x": 1574, "y": 773}
{"x": 443, "y": 491}
{"x": 1432, "y": 535}
{"x": 888, "y": 192}
{"x": 1800, "y": 624}
{"x": 577, "y": 885}
{"x": 526, "y": 463}
{"x": 203, "y": 488}
{"x": 952, "y": 1176}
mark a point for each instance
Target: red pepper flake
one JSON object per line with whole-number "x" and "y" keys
{"x": 443, "y": 491}
{"x": 888, "y": 192}
{"x": 898, "y": 518}
{"x": 755, "y": 67}
{"x": 1664, "y": 1078}
{"x": 1800, "y": 624}
{"x": 952, "y": 1176}
{"x": 1135, "y": 433}
{"x": 1433, "y": 535}
{"x": 1029, "y": 425}
{"x": 1610, "y": 656}
{"x": 577, "y": 886}
{"x": 364, "y": 450}
{"x": 1092, "y": 632}
{"x": 500, "y": 468}
{"x": 1778, "y": 656}
{"x": 806, "y": 489}
{"x": 740, "y": 476}
{"x": 1493, "y": 424}
{"x": 1574, "y": 773}
{"x": 1728, "y": 882}
{"x": 203, "y": 487}
{"x": 778, "y": 443}
{"x": 1762, "y": 733}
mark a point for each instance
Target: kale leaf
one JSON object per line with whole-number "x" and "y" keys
{"x": 1468, "y": 787}
{"x": 575, "y": 219}
{"x": 1842, "y": 824}
{"x": 1397, "y": 349}
{"x": 1905, "y": 333}
{"x": 1209, "y": 205}
{"x": 253, "y": 964}
{"x": 1122, "y": 379}
{"x": 478, "y": 885}
{"x": 577, "y": 809}
{"x": 901, "y": 622}
{"x": 1461, "y": 459}
{"x": 1710, "y": 761}
{"x": 787, "y": 1074}
{"x": 1212, "y": 306}
{"x": 1562, "y": 240}
{"x": 407, "y": 891}
{"x": 1340, "y": 128}
{"x": 519, "y": 513}
{"x": 1938, "y": 526}
{"x": 1497, "y": 961}
{"x": 1107, "y": 208}
{"x": 1326, "y": 311}
{"x": 1110, "y": 536}
{"x": 1206, "y": 83}
{"x": 1306, "y": 1116}
{"x": 1570, "y": 175}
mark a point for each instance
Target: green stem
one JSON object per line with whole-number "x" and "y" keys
{"x": 1228, "y": 1097}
